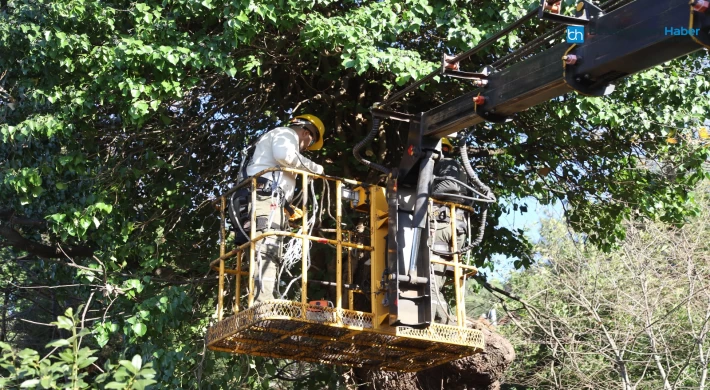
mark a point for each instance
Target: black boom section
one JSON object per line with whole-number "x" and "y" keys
{"x": 409, "y": 282}
{"x": 628, "y": 40}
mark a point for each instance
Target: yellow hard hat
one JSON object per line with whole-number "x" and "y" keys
{"x": 446, "y": 142}
{"x": 319, "y": 125}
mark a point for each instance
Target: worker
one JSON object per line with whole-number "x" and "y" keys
{"x": 280, "y": 147}
{"x": 448, "y": 176}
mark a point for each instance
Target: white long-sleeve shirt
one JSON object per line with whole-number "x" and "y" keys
{"x": 279, "y": 148}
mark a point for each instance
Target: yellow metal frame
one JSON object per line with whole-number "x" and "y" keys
{"x": 297, "y": 330}
{"x": 292, "y": 330}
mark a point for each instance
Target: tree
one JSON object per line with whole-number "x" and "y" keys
{"x": 121, "y": 120}
{"x": 635, "y": 318}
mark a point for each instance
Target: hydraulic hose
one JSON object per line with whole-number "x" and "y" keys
{"x": 367, "y": 140}
{"x": 484, "y": 188}
{"x": 484, "y": 213}
{"x": 472, "y": 174}
{"x": 474, "y": 243}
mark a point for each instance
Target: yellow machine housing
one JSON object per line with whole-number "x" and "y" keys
{"x": 302, "y": 330}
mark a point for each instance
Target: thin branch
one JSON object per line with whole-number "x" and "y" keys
{"x": 36, "y": 323}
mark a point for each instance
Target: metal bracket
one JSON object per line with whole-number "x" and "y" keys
{"x": 479, "y": 78}
{"x": 487, "y": 113}
{"x": 399, "y": 116}
{"x": 446, "y": 63}
{"x": 464, "y": 75}
{"x": 584, "y": 84}
{"x": 557, "y": 17}
{"x": 591, "y": 11}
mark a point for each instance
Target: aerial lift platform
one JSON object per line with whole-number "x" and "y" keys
{"x": 621, "y": 37}
{"x": 304, "y": 330}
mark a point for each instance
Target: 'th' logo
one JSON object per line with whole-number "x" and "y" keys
{"x": 575, "y": 34}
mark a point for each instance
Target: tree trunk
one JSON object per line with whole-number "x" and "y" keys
{"x": 483, "y": 371}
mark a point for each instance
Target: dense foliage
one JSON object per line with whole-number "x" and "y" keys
{"x": 68, "y": 368}
{"x": 120, "y": 120}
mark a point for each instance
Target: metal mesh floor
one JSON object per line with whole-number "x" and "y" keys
{"x": 292, "y": 330}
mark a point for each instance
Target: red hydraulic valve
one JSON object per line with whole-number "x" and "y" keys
{"x": 479, "y": 100}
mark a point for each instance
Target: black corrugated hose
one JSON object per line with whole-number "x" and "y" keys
{"x": 484, "y": 189}
{"x": 367, "y": 140}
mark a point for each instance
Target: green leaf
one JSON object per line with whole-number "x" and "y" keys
{"x": 137, "y": 362}
{"x": 115, "y": 385}
{"x": 27, "y": 353}
{"x": 64, "y": 323}
{"x": 401, "y": 80}
{"x": 107, "y": 208}
{"x": 85, "y": 362}
{"x": 143, "y": 383}
{"x": 30, "y": 383}
{"x": 129, "y": 366}
{"x": 57, "y": 343}
{"x": 173, "y": 59}
{"x": 46, "y": 382}
{"x": 139, "y": 328}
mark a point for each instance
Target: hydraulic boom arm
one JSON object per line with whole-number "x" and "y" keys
{"x": 635, "y": 37}
{"x": 629, "y": 39}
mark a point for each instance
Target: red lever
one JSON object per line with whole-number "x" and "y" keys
{"x": 479, "y": 100}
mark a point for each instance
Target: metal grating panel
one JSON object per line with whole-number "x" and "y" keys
{"x": 292, "y": 330}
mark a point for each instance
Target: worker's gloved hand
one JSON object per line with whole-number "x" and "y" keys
{"x": 297, "y": 214}
{"x": 319, "y": 169}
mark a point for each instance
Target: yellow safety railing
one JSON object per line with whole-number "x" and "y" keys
{"x": 339, "y": 243}
{"x": 457, "y": 264}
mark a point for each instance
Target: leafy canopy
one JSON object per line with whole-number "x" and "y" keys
{"x": 119, "y": 121}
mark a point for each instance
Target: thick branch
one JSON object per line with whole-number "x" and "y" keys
{"x": 9, "y": 215}
{"x": 15, "y": 239}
